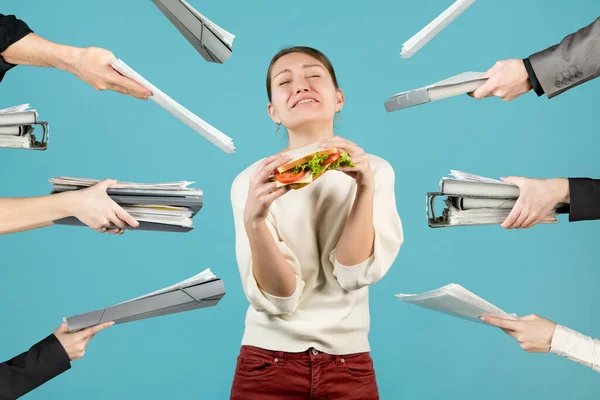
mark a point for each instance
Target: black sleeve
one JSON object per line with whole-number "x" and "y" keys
{"x": 585, "y": 199}
{"x": 11, "y": 30}
{"x": 535, "y": 83}
{"x": 28, "y": 370}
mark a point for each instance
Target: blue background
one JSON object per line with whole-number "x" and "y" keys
{"x": 59, "y": 271}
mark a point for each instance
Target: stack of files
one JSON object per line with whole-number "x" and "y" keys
{"x": 464, "y": 83}
{"x": 199, "y": 291}
{"x": 211, "y": 133}
{"x": 16, "y": 129}
{"x": 457, "y": 301}
{"x": 412, "y": 45}
{"x": 166, "y": 207}
{"x": 474, "y": 200}
{"x": 211, "y": 41}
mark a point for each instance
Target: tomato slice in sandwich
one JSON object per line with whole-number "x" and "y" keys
{"x": 331, "y": 159}
{"x": 289, "y": 176}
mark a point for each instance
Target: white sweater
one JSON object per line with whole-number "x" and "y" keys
{"x": 329, "y": 309}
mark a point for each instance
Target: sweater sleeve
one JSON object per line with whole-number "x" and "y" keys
{"x": 258, "y": 298}
{"x": 576, "y": 347}
{"x": 25, "y": 372}
{"x": 388, "y": 236}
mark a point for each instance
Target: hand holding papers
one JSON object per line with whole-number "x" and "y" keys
{"x": 457, "y": 301}
{"x": 199, "y": 291}
{"x": 166, "y": 206}
{"x": 211, "y": 41}
{"x": 16, "y": 129}
{"x": 459, "y": 84}
{"x": 475, "y": 200}
{"x": 212, "y": 134}
{"x": 412, "y": 45}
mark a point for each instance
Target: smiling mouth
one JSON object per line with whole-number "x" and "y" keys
{"x": 305, "y": 101}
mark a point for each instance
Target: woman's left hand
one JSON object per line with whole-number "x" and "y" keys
{"x": 362, "y": 172}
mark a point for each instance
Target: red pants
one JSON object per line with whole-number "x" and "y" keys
{"x": 311, "y": 375}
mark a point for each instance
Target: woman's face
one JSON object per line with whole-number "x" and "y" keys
{"x": 302, "y": 91}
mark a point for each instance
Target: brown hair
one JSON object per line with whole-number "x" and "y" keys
{"x": 316, "y": 54}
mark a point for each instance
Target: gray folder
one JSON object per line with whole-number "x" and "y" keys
{"x": 207, "y": 42}
{"x": 201, "y": 295}
{"x": 459, "y": 84}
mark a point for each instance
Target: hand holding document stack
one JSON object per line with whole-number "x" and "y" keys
{"x": 156, "y": 206}
{"x": 211, "y": 133}
{"x": 457, "y": 301}
{"x": 199, "y": 291}
{"x": 474, "y": 200}
{"x": 212, "y": 42}
{"x": 16, "y": 129}
{"x": 412, "y": 45}
{"x": 464, "y": 83}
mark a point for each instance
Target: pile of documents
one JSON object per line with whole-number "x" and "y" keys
{"x": 464, "y": 83}
{"x": 212, "y": 42}
{"x": 211, "y": 133}
{"x": 199, "y": 291}
{"x": 166, "y": 206}
{"x": 17, "y": 126}
{"x": 457, "y": 301}
{"x": 412, "y": 45}
{"x": 474, "y": 200}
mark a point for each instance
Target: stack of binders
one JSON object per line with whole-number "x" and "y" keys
{"x": 166, "y": 207}
{"x": 212, "y": 42}
{"x": 17, "y": 126}
{"x": 200, "y": 291}
{"x": 474, "y": 200}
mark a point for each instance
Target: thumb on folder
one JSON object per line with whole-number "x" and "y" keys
{"x": 76, "y": 343}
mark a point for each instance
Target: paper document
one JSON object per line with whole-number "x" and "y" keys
{"x": 15, "y": 109}
{"x": 412, "y": 45}
{"x": 211, "y": 133}
{"x": 85, "y": 182}
{"x": 203, "y": 276}
{"x": 467, "y": 177}
{"x": 457, "y": 301}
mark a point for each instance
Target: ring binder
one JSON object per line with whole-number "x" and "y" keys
{"x": 34, "y": 144}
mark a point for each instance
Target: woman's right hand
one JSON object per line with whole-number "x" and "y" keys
{"x": 96, "y": 209}
{"x": 263, "y": 192}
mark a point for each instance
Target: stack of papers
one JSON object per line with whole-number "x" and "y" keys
{"x": 466, "y": 82}
{"x": 211, "y": 133}
{"x": 16, "y": 129}
{"x": 457, "y": 301}
{"x": 210, "y": 40}
{"x": 475, "y": 200}
{"x": 168, "y": 206}
{"x": 412, "y": 45}
{"x": 199, "y": 291}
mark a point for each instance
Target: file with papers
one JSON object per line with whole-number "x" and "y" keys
{"x": 421, "y": 38}
{"x": 466, "y": 82}
{"x": 17, "y": 129}
{"x": 474, "y": 200}
{"x": 211, "y": 133}
{"x": 200, "y": 291}
{"x": 457, "y": 301}
{"x": 212, "y": 42}
{"x": 168, "y": 206}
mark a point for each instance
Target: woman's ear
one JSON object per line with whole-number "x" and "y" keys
{"x": 339, "y": 100}
{"x": 273, "y": 114}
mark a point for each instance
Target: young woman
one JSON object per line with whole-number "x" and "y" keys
{"x": 307, "y": 256}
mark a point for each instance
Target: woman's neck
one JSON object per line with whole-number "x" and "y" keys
{"x": 305, "y": 135}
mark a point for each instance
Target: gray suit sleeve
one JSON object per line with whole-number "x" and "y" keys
{"x": 575, "y": 60}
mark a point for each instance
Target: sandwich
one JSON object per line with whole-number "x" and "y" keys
{"x": 306, "y": 166}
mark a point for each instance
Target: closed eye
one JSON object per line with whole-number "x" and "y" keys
{"x": 283, "y": 83}
{"x": 314, "y": 76}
